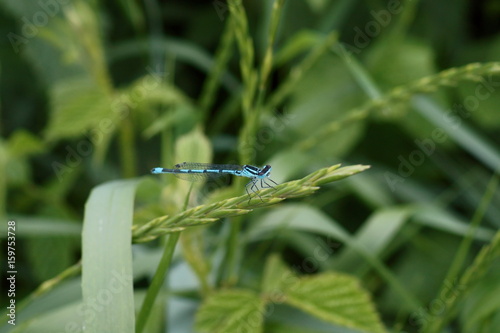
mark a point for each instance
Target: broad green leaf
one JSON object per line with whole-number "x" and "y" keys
{"x": 231, "y": 311}
{"x": 308, "y": 219}
{"x": 375, "y": 234}
{"x": 181, "y": 50}
{"x": 22, "y": 143}
{"x": 274, "y": 273}
{"x": 288, "y": 319}
{"x": 193, "y": 251}
{"x": 463, "y": 135}
{"x": 288, "y": 163}
{"x": 60, "y": 319}
{"x": 107, "y": 258}
{"x": 300, "y": 217}
{"x": 439, "y": 219}
{"x": 178, "y": 115}
{"x": 151, "y": 88}
{"x": 17, "y": 171}
{"x": 78, "y": 105}
{"x": 336, "y": 298}
{"x": 326, "y": 93}
{"x": 193, "y": 147}
{"x": 409, "y": 60}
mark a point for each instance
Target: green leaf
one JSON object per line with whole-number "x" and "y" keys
{"x": 193, "y": 251}
{"x": 376, "y": 234}
{"x": 23, "y": 143}
{"x": 193, "y": 147}
{"x": 483, "y": 303}
{"x": 335, "y": 298}
{"x": 466, "y": 137}
{"x": 231, "y": 311}
{"x": 410, "y": 60}
{"x": 325, "y": 93}
{"x": 20, "y": 145}
{"x": 439, "y": 219}
{"x": 298, "y": 43}
{"x": 107, "y": 258}
{"x": 56, "y": 319}
{"x": 274, "y": 274}
{"x": 300, "y": 217}
{"x": 78, "y": 105}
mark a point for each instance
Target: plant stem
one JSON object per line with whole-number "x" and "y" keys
{"x": 437, "y": 323}
{"x": 233, "y": 246}
{"x": 157, "y": 282}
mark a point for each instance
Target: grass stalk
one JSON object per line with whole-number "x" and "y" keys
{"x": 437, "y": 323}
{"x": 211, "y": 84}
{"x": 157, "y": 282}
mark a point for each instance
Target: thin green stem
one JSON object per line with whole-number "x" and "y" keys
{"x": 194, "y": 254}
{"x": 404, "y": 93}
{"x": 157, "y": 282}
{"x": 233, "y": 248}
{"x": 267, "y": 62}
{"x": 359, "y": 73}
{"x": 211, "y": 84}
{"x": 298, "y": 72}
{"x": 336, "y": 15}
{"x": 245, "y": 46}
{"x": 437, "y": 323}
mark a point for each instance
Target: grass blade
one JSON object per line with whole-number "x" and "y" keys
{"x": 462, "y": 134}
{"x": 107, "y": 282}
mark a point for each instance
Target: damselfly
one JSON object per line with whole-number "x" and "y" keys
{"x": 199, "y": 171}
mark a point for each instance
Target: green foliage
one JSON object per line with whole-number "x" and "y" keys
{"x": 108, "y": 218}
{"x": 335, "y": 298}
{"x": 231, "y": 311}
{"x": 95, "y": 94}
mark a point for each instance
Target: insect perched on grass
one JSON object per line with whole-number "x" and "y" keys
{"x": 201, "y": 171}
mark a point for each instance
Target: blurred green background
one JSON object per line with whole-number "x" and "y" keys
{"x": 93, "y": 91}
